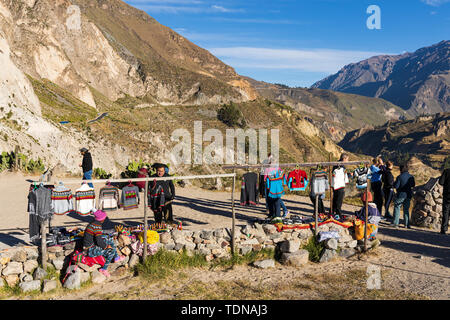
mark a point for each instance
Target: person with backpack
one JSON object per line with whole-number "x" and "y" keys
{"x": 403, "y": 185}
{"x": 388, "y": 188}
{"x": 86, "y": 165}
{"x": 444, "y": 180}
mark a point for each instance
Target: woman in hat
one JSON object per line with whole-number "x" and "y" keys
{"x": 95, "y": 243}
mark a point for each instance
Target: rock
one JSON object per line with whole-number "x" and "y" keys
{"x": 206, "y": 234}
{"x": 277, "y": 235}
{"x": 30, "y": 285}
{"x": 19, "y": 256}
{"x": 347, "y": 252}
{"x": 30, "y": 265}
{"x": 296, "y": 259}
{"x": 39, "y": 274}
{"x": 220, "y": 233}
{"x": 55, "y": 249}
{"x": 13, "y": 267}
{"x": 84, "y": 277}
{"x": 86, "y": 268}
{"x": 25, "y": 277}
{"x": 124, "y": 240}
{"x": 73, "y": 281}
{"x": 331, "y": 244}
{"x": 126, "y": 251}
{"x": 305, "y": 234}
{"x": 290, "y": 246}
{"x": 32, "y": 253}
{"x": 58, "y": 264}
{"x": 269, "y": 229}
{"x": 97, "y": 277}
{"x": 170, "y": 246}
{"x": 264, "y": 264}
{"x": 5, "y": 260}
{"x": 250, "y": 242}
{"x": 352, "y": 244}
{"x": 12, "y": 280}
{"x": 190, "y": 246}
{"x": 245, "y": 250}
{"x": 164, "y": 237}
{"x": 49, "y": 285}
{"x": 119, "y": 272}
{"x": 134, "y": 260}
{"x": 327, "y": 255}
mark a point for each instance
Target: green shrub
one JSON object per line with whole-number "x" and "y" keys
{"x": 315, "y": 249}
{"x": 99, "y": 173}
{"x": 231, "y": 116}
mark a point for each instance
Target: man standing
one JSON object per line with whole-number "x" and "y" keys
{"x": 86, "y": 165}
{"x": 338, "y": 181}
{"x": 403, "y": 184}
{"x": 444, "y": 180}
{"x": 169, "y": 192}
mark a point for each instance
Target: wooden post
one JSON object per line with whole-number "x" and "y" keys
{"x": 44, "y": 245}
{"x": 16, "y": 160}
{"x": 330, "y": 173}
{"x": 366, "y": 215}
{"x": 316, "y": 218}
{"x": 144, "y": 255}
{"x": 233, "y": 214}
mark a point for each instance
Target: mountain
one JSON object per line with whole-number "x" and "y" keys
{"x": 66, "y": 63}
{"x": 335, "y": 113}
{"x": 419, "y": 82}
{"x": 427, "y": 138}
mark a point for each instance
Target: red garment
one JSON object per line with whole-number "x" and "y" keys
{"x": 298, "y": 176}
{"x": 143, "y": 173}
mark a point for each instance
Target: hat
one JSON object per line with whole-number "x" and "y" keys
{"x": 100, "y": 215}
{"x": 83, "y": 150}
{"x": 369, "y": 198}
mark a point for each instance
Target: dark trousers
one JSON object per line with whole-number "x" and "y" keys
{"x": 377, "y": 195}
{"x": 168, "y": 212}
{"x": 338, "y": 199}
{"x": 321, "y": 208}
{"x": 388, "y": 196}
{"x": 445, "y": 214}
{"x": 274, "y": 206}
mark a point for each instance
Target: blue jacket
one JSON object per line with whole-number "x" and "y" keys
{"x": 274, "y": 184}
{"x": 404, "y": 184}
{"x": 376, "y": 173}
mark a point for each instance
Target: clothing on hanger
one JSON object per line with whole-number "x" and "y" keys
{"x": 249, "y": 189}
{"x": 297, "y": 180}
{"x": 62, "y": 202}
{"x": 40, "y": 210}
{"x": 362, "y": 174}
{"x": 108, "y": 198}
{"x": 319, "y": 182}
{"x": 84, "y": 200}
{"x": 156, "y": 198}
{"x": 275, "y": 183}
{"x": 130, "y": 197}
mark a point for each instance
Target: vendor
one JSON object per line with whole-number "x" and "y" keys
{"x": 95, "y": 243}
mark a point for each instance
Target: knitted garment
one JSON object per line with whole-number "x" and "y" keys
{"x": 93, "y": 235}
{"x": 297, "y": 180}
{"x": 62, "y": 202}
{"x": 274, "y": 184}
{"x": 156, "y": 199}
{"x": 40, "y": 210}
{"x": 108, "y": 198}
{"x": 130, "y": 197}
{"x": 84, "y": 200}
{"x": 339, "y": 178}
{"x": 319, "y": 183}
{"x": 249, "y": 189}
{"x": 361, "y": 175}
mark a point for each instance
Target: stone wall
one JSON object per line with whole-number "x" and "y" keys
{"x": 20, "y": 265}
{"x": 427, "y": 210}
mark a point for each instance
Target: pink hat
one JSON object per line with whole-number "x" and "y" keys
{"x": 100, "y": 215}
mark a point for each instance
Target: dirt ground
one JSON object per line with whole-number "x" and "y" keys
{"x": 415, "y": 261}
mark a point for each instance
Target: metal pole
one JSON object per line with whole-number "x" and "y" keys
{"x": 233, "y": 214}
{"x": 367, "y": 215}
{"x": 144, "y": 256}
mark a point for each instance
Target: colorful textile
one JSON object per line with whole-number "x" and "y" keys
{"x": 137, "y": 248}
{"x": 275, "y": 183}
{"x": 249, "y": 189}
{"x": 297, "y": 180}
{"x": 362, "y": 174}
{"x": 339, "y": 178}
{"x": 93, "y": 235}
{"x": 108, "y": 198}
{"x": 84, "y": 200}
{"x": 152, "y": 237}
{"x": 130, "y": 197}
{"x": 319, "y": 183}
{"x": 62, "y": 202}
{"x": 108, "y": 253}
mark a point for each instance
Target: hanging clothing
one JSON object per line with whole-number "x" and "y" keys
{"x": 275, "y": 183}
{"x": 142, "y": 173}
{"x": 361, "y": 175}
{"x": 84, "y": 200}
{"x": 62, "y": 201}
{"x": 108, "y": 198}
{"x": 249, "y": 189}
{"x": 319, "y": 183}
{"x": 297, "y": 180}
{"x": 156, "y": 200}
{"x": 339, "y": 177}
{"x": 130, "y": 197}
{"x": 40, "y": 210}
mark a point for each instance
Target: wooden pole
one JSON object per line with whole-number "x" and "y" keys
{"x": 44, "y": 245}
{"x": 144, "y": 255}
{"x": 233, "y": 214}
{"x": 329, "y": 181}
{"x": 366, "y": 215}
{"x": 316, "y": 218}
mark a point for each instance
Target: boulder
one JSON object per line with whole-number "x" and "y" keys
{"x": 269, "y": 229}
{"x": 164, "y": 237}
{"x": 30, "y": 285}
{"x": 327, "y": 255}
{"x": 19, "y": 255}
{"x": 245, "y": 250}
{"x": 290, "y": 246}
{"x": 264, "y": 264}
{"x": 12, "y": 280}
{"x": 84, "y": 277}
{"x": 58, "y": 263}
{"x": 134, "y": 260}
{"x": 206, "y": 234}
{"x": 97, "y": 277}
{"x": 331, "y": 244}
{"x": 73, "y": 281}
{"x": 39, "y": 274}
{"x": 30, "y": 265}
{"x": 49, "y": 285}
{"x": 13, "y": 267}
{"x": 296, "y": 259}
{"x": 347, "y": 252}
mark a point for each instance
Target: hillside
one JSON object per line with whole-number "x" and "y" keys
{"x": 419, "y": 82}
{"x": 426, "y": 137}
{"x": 333, "y": 112}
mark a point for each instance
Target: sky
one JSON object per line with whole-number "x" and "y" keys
{"x": 299, "y": 42}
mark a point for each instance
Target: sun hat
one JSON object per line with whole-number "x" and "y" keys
{"x": 83, "y": 150}
{"x": 100, "y": 215}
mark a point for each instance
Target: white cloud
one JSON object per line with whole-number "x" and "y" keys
{"x": 435, "y": 3}
{"x": 308, "y": 60}
{"x": 179, "y": 6}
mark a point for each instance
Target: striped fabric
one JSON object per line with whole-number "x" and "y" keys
{"x": 62, "y": 201}
{"x": 84, "y": 200}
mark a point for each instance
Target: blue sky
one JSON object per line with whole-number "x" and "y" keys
{"x": 298, "y": 42}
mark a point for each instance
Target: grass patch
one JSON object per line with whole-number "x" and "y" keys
{"x": 315, "y": 249}
{"x": 237, "y": 259}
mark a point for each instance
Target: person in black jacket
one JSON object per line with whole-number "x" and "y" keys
{"x": 86, "y": 165}
{"x": 403, "y": 184}
{"x": 388, "y": 188}
{"x": 444, "y": 180}
{"x": 168, "y": 190}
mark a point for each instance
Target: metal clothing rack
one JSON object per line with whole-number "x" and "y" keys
{"x": 329, "y": 164}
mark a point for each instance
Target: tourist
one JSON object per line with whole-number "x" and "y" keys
{"x": 377, "y": 168}
{"x": 388, "y": 188}
{"x": 403, "y": 185}
{"x": 444, "y": 180}
{"x": 168, "y": 189}
{"x": 86, "y": 165}
{"x": 96, "y": 243}
{"x": 338, "y": 181}
{"x": 275, "y": 190}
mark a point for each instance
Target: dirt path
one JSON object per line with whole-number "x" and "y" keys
{"x": 415, "y": 261}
